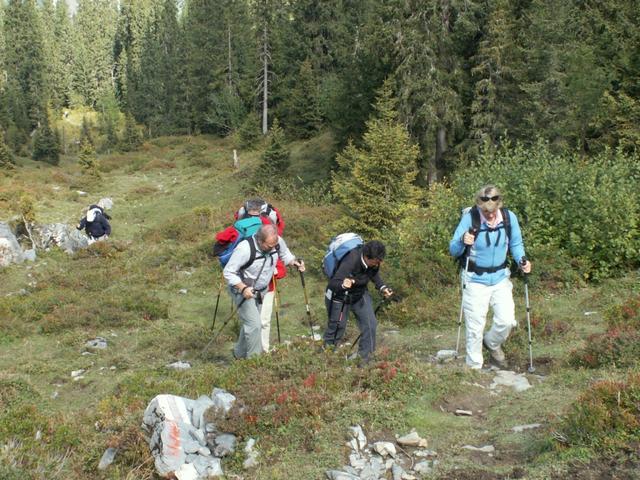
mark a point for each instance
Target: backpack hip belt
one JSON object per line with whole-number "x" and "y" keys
{"x": 480, "y": 270}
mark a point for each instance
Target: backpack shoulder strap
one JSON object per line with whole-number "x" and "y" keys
{"x": 252, "y": 254}
{"x": 475, "y": 218}
{"x": 506, "y": 221}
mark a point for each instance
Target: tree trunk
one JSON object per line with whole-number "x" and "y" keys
{"x": 441, "y": 148}
{"x": 229, "y": 56}
{"x": 265, "y": 82}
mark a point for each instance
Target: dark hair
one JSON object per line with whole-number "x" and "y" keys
{"x": 374, "y": 250}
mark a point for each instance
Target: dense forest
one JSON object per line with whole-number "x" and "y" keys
{"x": 468, "y": 75}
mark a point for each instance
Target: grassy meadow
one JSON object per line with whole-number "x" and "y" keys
{"x": 170, "y": 197}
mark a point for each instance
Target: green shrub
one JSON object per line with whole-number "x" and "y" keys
{"x": 586, "y": 208}
{"x": 606, "y": 415}
{"x": 626, "y": 314}
{"x": 617, "y": 347}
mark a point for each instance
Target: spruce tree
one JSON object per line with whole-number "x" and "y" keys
{"x": 131, "y": 138}
{"x": 85, "y": 132}
{"x": 46, "y": 146}
{"x": 87, "y": 158}
{"x": 6, "y": 158}
{"x": 374, "y": 183}
{"x": 302, "y": 106}
{"x": 275, "y": 160}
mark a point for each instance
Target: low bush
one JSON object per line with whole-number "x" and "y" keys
{"x": 625, "y": 314}
{"x": 619, "y": 347}
{"x": 606, "y": 415}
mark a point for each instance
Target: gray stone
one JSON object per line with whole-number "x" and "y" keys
{"x": 66, "y": 237}
{"x": 396, "y": 472}
{"x": 338, "y": 475}
{"x": 357, "y": 433}
{"x": 251, "y": 459}
{"x": 423, "y": 467}
{"x": 484, "y": 449}
{"x": 30, "y": 255}
{"x": 10, "y": 249}
{"x": 222, "y": 399}
{"x": 225, "y": 445}
{"x": 507, "y": 378}
{"x": 412, "y": 439}
{"x": 179, "y": 365}
{"x": 98, "y": 343}
{"x": 107, "y": 458}
{"x": 444, "y": 355}
{"x": 385, "y": 448}
{"x": 522, "y": 428}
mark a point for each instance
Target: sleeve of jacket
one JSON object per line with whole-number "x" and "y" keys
{"x": 345, "y": 270}
{"x": 456, "y": 245}
{"x": 377, "y": 281}
{"x": 284, "y": 253}
{"x": 106, "y": 225}
{"x": 82, "y": 224}
{"x": 516, "y": 244}
{"x": 239, "y": 257}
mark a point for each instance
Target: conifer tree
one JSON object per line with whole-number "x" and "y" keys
{"x": 46, "y": 146}
{"x": 25, "y": 63}
{"x": 374, "y": 183}
{"x": 302, "y": 106}
{"x": 87, "y": 158}
{"x": 275, "y": 160}
{"x": 6, "y": 158}
{"x": 85, "y": 132}
{"x": 131, "y": 138}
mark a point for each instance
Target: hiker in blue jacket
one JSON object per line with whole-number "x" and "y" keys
{"x": 486, "y": 281}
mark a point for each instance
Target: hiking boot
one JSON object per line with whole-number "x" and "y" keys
{"x": 497, "y": 356}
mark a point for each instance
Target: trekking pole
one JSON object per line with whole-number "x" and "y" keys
{"x": 224, "y": 324}
{"x": 215, "y": 311}
{"x": 276, "y": 301}
{"x": 526, "y": 299}
{"x": 344, "y": 302}
{"x": 467, "y": 253}
{"x": 306, "y": 303}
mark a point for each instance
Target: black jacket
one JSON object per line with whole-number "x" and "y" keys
{"x": 99, "y": 227}
{"x": 352, "y": 266}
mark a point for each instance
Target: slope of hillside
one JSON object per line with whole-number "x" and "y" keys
{"x": 150, "y": 292}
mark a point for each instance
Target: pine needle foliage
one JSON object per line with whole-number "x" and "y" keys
{"x": 87, "y": 158}
{"x": 275, "y": 159}
{"x": 46, "y": 147}
{"x": 374, "y": 183}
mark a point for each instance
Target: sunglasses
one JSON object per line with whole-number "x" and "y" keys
{"x": 495, "y": 198}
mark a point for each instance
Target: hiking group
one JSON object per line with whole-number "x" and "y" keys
{"x": 254, "y": 257}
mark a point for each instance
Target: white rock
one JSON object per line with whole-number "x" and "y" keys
{"x": 385, "y": 448}
{"x": 425, "y": 453}
{"x": 412, "y": 439}
{"x": 522, "y": 428}
{"x": 484, "y": 449}
{"x": 179, "y": 365}
{"x": 357, "y": 433}
{"x": 338, "y": 475}
{"x": 356, "y": 461}
{"x": 187, "y": 472}
{"x": 443, "y": 355}
{"x": 423, "y": 467}
{"x": 98, "y": 342}
{"x": 77, "y": 373}
{"x": 182, "y": 291}
{"x": 107, "y": 458}
{"x": 507, "y": 378}
{"x": 464, "y": 413}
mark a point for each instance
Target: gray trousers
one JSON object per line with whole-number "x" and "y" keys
{"x": 250, "y": 338}
{"x": 365, "y": 316}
